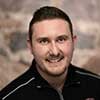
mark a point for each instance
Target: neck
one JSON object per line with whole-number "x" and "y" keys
{"x": 56, "y": 82}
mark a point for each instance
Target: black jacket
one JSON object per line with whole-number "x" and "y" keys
{"x": 80, "y": 85}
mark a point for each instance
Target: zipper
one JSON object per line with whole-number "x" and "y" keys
{"x": 60, "y": 94}
{"x": 56, "y": 90}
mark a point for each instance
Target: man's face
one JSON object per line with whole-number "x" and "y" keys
{"x": 52, "y": 46}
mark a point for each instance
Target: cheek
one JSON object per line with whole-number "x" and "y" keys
{"x": 39, "y": 51}
{"x": 67, "y": 49}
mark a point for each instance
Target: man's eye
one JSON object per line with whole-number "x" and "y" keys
{"x": 44, "y": 41}
{"x": 60, "y": 40}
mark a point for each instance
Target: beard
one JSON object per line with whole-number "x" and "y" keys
{"x": 54, "y": 58}
{"x": 54, "y": 65}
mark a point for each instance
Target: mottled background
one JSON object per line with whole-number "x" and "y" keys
{"x": 15, "y": 15}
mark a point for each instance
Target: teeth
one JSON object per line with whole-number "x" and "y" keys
{"x": 53, "y": 60}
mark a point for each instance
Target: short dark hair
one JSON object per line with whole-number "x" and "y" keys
{"x": 49, "y": 12}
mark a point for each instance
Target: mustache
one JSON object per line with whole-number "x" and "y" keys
{"x": 54, "y": 57}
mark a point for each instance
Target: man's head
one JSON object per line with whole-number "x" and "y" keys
{"x": 48, "y": 12}
{"x": 51, "y": 41}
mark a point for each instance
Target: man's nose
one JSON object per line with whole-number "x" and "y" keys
{"x": 54, "y": 49}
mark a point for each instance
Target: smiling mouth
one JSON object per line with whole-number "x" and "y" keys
{"x": 54, "y": 60}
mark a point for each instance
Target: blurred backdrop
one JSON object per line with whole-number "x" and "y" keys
{"x": 15, "y": 57}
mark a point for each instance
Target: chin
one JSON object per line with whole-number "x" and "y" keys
{"x": 57, "y": 71}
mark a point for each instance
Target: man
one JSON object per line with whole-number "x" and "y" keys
{"x": 51, "y": 75}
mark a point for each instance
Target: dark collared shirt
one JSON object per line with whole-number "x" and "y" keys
{"x": 79, "y": 85}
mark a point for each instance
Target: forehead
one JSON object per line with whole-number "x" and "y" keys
{"x": 51, "y": 27}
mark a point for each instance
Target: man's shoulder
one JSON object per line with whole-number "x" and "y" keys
{"x": 86, "y": 74}
{"x": 87, "y": 80}
{"x": 19, "y": 82}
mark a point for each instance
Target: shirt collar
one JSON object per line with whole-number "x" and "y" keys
{"x": 71, "y": 78}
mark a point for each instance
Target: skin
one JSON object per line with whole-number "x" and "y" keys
{"x": 52, "y": 47}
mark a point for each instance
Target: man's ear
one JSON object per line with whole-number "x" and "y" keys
{"x": 29, "y": 45}
{"x": 74, "y": 39}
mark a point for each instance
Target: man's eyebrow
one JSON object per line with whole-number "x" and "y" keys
{"x": 42, "y": 38}
{"x": 64, "y": 35}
